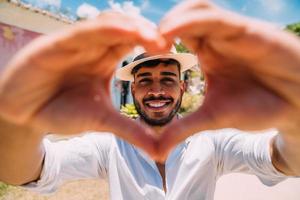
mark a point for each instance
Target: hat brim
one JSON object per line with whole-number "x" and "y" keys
{"x": 186, "y": 61}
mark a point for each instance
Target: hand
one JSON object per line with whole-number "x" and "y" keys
{"x": 60, "y": 83}
{"x": 252, "y": 71}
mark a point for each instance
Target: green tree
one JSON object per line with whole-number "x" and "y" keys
{"x": 294, "y": 28}
{"x": 180, "y": 48}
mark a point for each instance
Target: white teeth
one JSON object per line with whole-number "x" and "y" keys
{"x": 156, "y": 105}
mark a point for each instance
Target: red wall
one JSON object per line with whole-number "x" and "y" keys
{"x": 11, "y": 40}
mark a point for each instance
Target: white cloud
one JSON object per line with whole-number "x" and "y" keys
{"x": 125, "y": 7}
{"x": 87, "y": 11}
{"x": 130, "y": 7}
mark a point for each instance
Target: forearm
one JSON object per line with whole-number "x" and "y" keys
{"x": 21, "y": 153}
{"x": 286, "y": 152}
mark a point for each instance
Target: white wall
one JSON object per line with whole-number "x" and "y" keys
{"x": 27, "y": 19}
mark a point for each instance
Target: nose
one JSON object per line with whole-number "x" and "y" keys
{"x": 156, "y": 93}
{"x": 156, "y": 90}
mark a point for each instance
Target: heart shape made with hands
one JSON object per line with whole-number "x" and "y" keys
{"x": 237, "y": 71}
{"x": 64, "y": 79}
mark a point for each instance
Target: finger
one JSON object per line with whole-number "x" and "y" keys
{"x": 131, "y": 131}
{"x": 202, "y": 24}
{"x": 286, "y": 89}
{"x": 106, "y": 65}
{"x": 88, "y": 107}
{"x": 198, "y": 19}
{"x": 178, "y": 131}
{"x": 170, "y": 21}
{"x": 277, "y": 56}
{"x": 86, "y": 41}
{"x": 236, "y": 39}
{"x": 110, "y": 29}
{"x": 187, "y": 5}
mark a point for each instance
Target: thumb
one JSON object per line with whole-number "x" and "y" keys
{"x": 135, "y": 133}
{"x": 181, "y": 129}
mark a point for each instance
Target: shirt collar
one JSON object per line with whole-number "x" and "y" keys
{"x": 175, "y": 152}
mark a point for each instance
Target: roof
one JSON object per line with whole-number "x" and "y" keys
{"x": 26, "y": 16}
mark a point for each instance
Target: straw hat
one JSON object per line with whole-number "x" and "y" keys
{"x": 186, "y": 60}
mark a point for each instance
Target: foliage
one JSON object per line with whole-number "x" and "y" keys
{"x": 129, "y": 110}
{"x": 194, "y": 74}
{"x": 3, "y": 188}
{"x": 180, "y": 48}
{"x": 190, "y": 103}
{"x": 294, "y": 28}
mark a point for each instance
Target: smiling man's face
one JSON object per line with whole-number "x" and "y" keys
{"x": 157, "y": 92}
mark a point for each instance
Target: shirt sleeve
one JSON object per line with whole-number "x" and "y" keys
{"x": 238, "y": 151}
{"x": 83, "y": 157}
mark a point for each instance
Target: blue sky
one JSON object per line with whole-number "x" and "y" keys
{"x": 280, "y": 12}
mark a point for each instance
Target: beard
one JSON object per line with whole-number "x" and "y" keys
{"x": 157, "y": 122}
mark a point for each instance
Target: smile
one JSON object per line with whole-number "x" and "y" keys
{"x": 158, "y": 104}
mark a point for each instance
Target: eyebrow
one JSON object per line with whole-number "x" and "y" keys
{"x": 168, "y": 74}
{"x": 162, "y": 73}
{"x": 144, "y": 74}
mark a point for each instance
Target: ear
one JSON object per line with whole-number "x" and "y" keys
{"x": 182, "y": 86}
{"x": 132, "y": 86}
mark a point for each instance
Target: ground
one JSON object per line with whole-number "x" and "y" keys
{"x": 78, "y": 190}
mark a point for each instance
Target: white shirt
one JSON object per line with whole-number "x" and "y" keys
{"x": 192, "y": 168}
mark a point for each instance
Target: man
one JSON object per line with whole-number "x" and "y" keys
{"x": 60, "y": 83}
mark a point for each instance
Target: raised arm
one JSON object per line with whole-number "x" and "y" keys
{"x": 286, "y": 151}
{"x": 61, "y": 83}
{"x": 21, "y": 153}
{"x": 252, "y": 71}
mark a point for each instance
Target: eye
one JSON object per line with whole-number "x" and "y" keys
{"x": 145, "y": 81}
{"x": 168, "y": 81}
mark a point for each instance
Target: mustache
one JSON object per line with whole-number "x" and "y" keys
{"x": 153, "y": 98}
